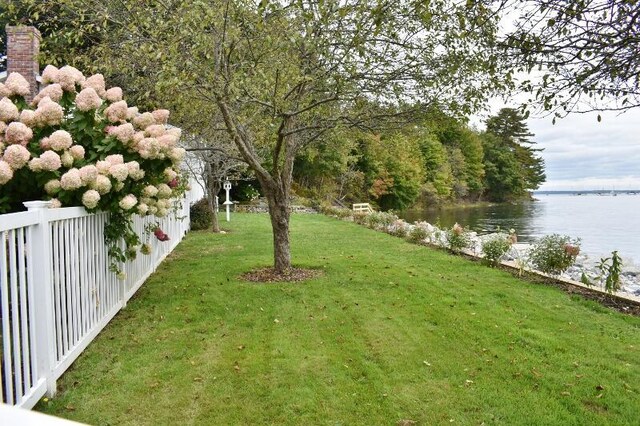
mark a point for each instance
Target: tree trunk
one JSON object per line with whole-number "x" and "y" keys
{"x": 213, "y": 188}
{"x": 279, "y": 213}
{"x": 215, "y": 223}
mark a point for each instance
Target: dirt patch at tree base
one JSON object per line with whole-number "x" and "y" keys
{"x": 269, "y": 275}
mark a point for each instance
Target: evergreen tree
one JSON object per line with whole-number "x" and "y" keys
{"x": 513, "y": 134}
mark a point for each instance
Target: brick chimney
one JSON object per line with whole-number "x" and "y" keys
{"x": 23, "y": 47}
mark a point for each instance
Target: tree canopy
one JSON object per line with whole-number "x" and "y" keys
{"x": 586, "y": 52}
{"x": 282, "y": 75}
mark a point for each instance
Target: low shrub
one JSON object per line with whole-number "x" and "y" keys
{"x": 201, "y": 217}
{"x": 381, "y": 220}
{"x": 457, "y": 238}
{"x": 418, "y": 234}
{"x": 360, "y": 218}
{"x": 554, "y": 254}
{"x": 495, "y": 247}
{"x": 338, "y": 212}
{"x": 398, "y": 228}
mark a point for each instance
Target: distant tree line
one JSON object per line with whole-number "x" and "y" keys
{"x": 434, "y": 160}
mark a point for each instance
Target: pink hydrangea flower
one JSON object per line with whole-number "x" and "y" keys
{"x": 50, "y": 161}
{"x": 28, "y": 117}
{"x": 155, "y": 130}
{"x": 90, "y": 199}
{"x": 77, "y": 152}
{"x": 8, "y": 111}
{"x": 71, "y": 180}
{"x": 4, "y": 92}
{"x": 137, "y": 175}
{"x": 148, "y": 148}
{"x": 132, "y": 166}
{"x": 150, "y": 191}
{"x": 102, "y": 184}
{"x": 176, "y": 131}
{"x": 114, "y": 159}
{"x": 142, "y": 121}
{"x": 170, "y": 174}
{"x": 53, "y": 91}
{"x": 55, "y": 203}
{"x": 132, "y": 112}
{"x": 67, "y": 159}
{"x": 68, "y": 77}
{"x": 17, "y": 84}
{"x": 89, "y": 174}
{"x": 60, "y": 140}
{"x": 164, "y": 191}
{"x": 49, "y": 74}
{"x": 49, "y": 112}
{"x": 116, "y": 112}
{"x": 161, "y": 116}
{"x": 17, "y": 156}
{"x": 167, "y": 141}
{"x": 128, "y": 202}
{"x": 45, "y": 143}
{"x": 18, "y": 133}
{"x": 96, "y": 82}
{"x": 177, "y": 155}
{"x": 120, "y": 172}
{"x": 35, "y": 165}
{"x": 124, "y": 132}
{"x": 142, "y": 209}
{"x": 52, "y": 187}
{"x": 6, "y": 172}
{"x": 114, "y": 94}
{"x": 88, "y": 100}
{"x": 103, "y": 167}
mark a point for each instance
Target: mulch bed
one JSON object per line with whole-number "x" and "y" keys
{"x": 269, "y": 275}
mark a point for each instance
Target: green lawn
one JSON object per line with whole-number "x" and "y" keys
{"x": 391, "y": 331}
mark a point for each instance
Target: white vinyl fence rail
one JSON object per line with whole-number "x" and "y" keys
{"x": 57, "y": 293}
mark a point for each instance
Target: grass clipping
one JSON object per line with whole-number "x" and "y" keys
{"x": 269, "y": 275}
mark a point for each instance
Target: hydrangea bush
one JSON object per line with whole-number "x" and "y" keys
{"x": 80, "y": 144}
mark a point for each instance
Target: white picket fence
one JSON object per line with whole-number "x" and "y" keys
{"x": 56, "y": 292}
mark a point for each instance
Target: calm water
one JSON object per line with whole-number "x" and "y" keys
{"x": 603, "y": 222}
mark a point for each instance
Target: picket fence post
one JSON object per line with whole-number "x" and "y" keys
{"x": 42, "y": 290}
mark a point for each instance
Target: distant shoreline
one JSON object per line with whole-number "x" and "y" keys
{"x": 591, "y": 192}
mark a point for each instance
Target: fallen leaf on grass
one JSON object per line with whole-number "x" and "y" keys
{"x": 599, "y": 387}
{"x": 406, "y": 422}
{"x": 70, "y": 407}
{"x": 241, "y": 347}
{"x": 198, "y": 379}
{"x": 428, "y": 364}
{"x": 565, "y": 393}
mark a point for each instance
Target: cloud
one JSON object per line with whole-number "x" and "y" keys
{"x": 581, "y": 153}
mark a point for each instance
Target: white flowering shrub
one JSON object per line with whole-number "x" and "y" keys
{"x": 79, "y": 144}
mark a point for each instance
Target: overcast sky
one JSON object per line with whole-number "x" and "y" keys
{"x": 580, "y": 153}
